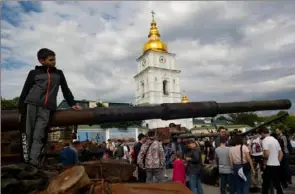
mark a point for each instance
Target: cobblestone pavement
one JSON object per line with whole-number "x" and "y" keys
{"x": 208, "y": 189}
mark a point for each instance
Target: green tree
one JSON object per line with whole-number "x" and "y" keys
{"x": 9, "y": 103}
{"x": 247, "y": 118}
{"x": 99, "y": 104}
{"x": 287, "y": 122}
{"x": 222, "y": 118}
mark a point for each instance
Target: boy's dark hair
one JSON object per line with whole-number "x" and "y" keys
{"x": 43, "y": 53}
{"x": 151, "y": 133}
{"x": 223, "y": 139}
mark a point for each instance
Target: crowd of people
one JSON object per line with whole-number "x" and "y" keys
{"x": 260, "y": 157}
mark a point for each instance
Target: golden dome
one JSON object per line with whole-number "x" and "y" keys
{"x": 154, "y": 42}
{"x": 184, "y": 99}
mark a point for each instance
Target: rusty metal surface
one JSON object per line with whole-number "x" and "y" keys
{"x": 146, "y": 188}
{"x": 23, "y": 178}
{"x": 10, "y": 147}
{"x": 10, "y": 159}
{"x": 70, "y": 181}
{"x": 109, "y": 170}
{"x": 166, "y": 111}
{"x": 13, "y": 135}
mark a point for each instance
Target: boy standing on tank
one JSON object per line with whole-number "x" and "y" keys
{"x": 38, "y": 101}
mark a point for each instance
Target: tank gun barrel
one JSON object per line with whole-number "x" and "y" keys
{"x": 265, "y": 123}
{"x": 166, "y": 111}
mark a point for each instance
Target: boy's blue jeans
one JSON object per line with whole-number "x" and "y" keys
{"x": 226, "y": 179}
{"x": 195, "y": 184}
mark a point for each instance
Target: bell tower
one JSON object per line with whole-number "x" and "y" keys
{"x": 157, "y": 79}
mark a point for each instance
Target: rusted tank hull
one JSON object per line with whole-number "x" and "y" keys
{"x": 167, "y": 111}
{"x": 109, "y": 170}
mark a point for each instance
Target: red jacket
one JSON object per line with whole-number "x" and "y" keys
{"x": 178, "y": 171}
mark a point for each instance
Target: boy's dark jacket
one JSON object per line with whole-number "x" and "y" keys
{"x": 41, "y": 88}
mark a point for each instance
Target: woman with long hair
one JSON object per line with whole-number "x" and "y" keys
{"x": 241, "y": 164}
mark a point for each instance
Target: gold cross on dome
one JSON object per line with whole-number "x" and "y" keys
{"x": 153, "y": 14}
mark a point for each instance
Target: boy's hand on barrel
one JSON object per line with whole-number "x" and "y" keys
{"x": 188, "y": 158}
{"x": 76, "y": 107}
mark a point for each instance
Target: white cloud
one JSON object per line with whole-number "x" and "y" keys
{"x": 226, "y": 50}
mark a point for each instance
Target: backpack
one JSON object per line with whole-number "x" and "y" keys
{"x": 120, "y": 151}
{"x": 256, "y": 146}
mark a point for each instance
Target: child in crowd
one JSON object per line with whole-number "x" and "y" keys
{"x": 178, "y": 169}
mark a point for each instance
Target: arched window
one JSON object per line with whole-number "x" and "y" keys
{"x": 142, "y": 89}
{"x": 165, "y": 87}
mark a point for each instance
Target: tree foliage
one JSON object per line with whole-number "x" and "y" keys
{"x": 287, "y": 123}
{"x": 9, "y": 103}
{"x": 251, "y": 119}
{"x": 222, "y": 118}
{"x": 247, "y": 118}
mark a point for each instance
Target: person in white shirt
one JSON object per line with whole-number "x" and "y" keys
{"x": 273, "y": 155}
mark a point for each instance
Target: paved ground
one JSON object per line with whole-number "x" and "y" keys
{"x": 211, "y": 189}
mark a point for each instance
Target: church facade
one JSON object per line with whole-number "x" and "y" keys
{"x": 158, "y": 79}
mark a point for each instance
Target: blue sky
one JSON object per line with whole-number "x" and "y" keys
{"x": 12, "y": 14}
{"x": 227, "y": 51}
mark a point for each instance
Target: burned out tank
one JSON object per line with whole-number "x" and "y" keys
{"x": 10, "y": 119}
{"x": 10, "y": 122}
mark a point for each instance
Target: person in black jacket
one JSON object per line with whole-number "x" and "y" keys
{"x": 38, "y": 100}
{"x": 141, "y": 172}
{"x": 194, "y": 166}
